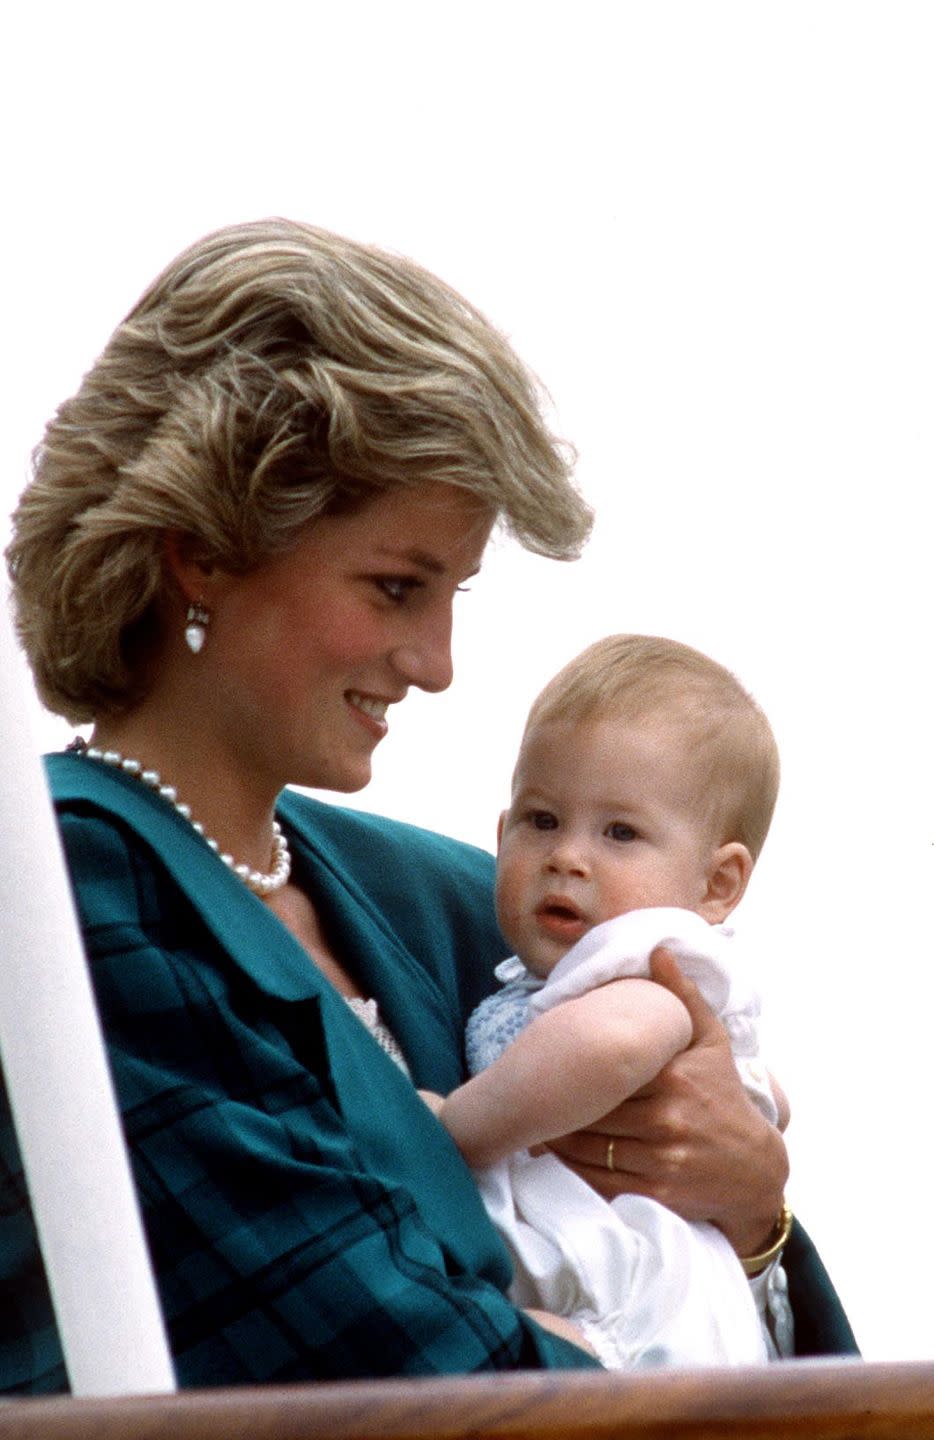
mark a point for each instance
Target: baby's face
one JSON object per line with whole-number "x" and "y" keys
{"x": 603, "y": 820}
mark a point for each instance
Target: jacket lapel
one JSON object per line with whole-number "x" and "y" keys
{"x": 413, "y": 1005}
{"x": 410, "y": 1001}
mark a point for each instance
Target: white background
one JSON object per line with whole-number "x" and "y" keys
{"x": 709, "y": 227}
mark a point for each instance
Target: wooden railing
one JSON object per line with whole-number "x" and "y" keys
{"x": 802, "y": 1400}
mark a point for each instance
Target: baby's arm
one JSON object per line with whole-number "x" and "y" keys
{"x": 568, "y": 1068}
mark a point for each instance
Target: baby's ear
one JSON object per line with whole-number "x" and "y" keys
{"x": 727, "y": 877}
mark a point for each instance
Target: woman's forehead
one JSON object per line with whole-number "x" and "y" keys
{"x": 436, "y": 527}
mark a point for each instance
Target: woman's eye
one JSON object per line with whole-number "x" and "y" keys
{"x": 543, "y": 820}
{"x": 397, "y": 588}
{"x": 620, "y": 831}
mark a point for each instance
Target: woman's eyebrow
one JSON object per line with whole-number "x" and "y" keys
{"x": 422, "y": 558}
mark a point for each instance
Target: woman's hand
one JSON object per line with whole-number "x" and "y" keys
{"x": 691, "y": 1138}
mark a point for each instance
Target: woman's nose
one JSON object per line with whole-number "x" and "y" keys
{"x": 425, "y": 660}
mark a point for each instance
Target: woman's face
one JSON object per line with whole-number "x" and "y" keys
{"x": 307, "y": 653}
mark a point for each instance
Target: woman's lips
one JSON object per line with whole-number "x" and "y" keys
{"x": 370, "y": 710}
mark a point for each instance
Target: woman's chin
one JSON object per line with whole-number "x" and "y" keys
{"x": 346, "y": 780}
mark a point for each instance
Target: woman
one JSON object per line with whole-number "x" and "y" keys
{"x": 240, "y": 547}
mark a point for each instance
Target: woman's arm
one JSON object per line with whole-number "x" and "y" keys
{"x": 566, "y": 1069}
{"x": 691, "y": 1138}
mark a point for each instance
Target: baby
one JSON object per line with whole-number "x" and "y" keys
{"x": 642, "y": 795}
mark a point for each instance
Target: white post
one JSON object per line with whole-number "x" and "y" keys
{"x": 59, "y": 1085}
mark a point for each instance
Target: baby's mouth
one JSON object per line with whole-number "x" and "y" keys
{"x": 559, "y": 918}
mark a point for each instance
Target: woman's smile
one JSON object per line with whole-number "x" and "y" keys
{"x": 339, "y": 628}
{"x": 370, "y": 711}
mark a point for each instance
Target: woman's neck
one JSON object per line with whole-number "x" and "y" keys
{"x": 227, "y": 802}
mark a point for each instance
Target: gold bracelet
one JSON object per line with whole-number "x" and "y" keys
{"x": 753, "y": 1264}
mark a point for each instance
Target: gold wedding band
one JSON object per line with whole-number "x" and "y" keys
{"x": 609, "y": 1154}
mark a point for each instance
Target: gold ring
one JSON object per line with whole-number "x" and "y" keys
{"x": 609, "y": 1154}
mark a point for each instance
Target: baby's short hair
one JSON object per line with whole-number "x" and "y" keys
{"x": 647, "y": 678}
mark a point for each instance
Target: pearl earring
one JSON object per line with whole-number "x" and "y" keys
{"x": 196, "y": 625}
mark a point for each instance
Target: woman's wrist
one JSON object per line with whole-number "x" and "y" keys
{"x": 758, "y": 1261}
{"x": 749, "y": 1223}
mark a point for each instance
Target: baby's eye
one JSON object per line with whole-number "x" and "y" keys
{"x": 620, "y": 832}
{"x": 542, "y": 820}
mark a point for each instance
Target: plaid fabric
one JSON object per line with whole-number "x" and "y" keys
{"x": 307, "y": 1217}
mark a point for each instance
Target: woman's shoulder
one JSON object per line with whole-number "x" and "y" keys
{"x": 111, "y": 876}
{"x": 106, "y": 800}
{"x": 118, "y": 838}
{"x": 362, "y": 838}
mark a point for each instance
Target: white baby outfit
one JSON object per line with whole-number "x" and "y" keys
{"x": 645, "y": 1286}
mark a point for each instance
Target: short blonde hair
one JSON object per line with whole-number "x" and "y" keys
{"x": 272, "y": 374}
{"x": 647, "y": 678}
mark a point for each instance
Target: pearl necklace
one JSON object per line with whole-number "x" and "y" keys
{"x": 260, "y": 882}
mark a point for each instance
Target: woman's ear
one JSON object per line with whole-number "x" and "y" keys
{"x": 727, "y": 877}
{"x": 189, "y": 572}
{"x": 499, "y": 828}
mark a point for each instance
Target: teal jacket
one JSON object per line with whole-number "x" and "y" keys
{"x": 306, "y": 1215}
